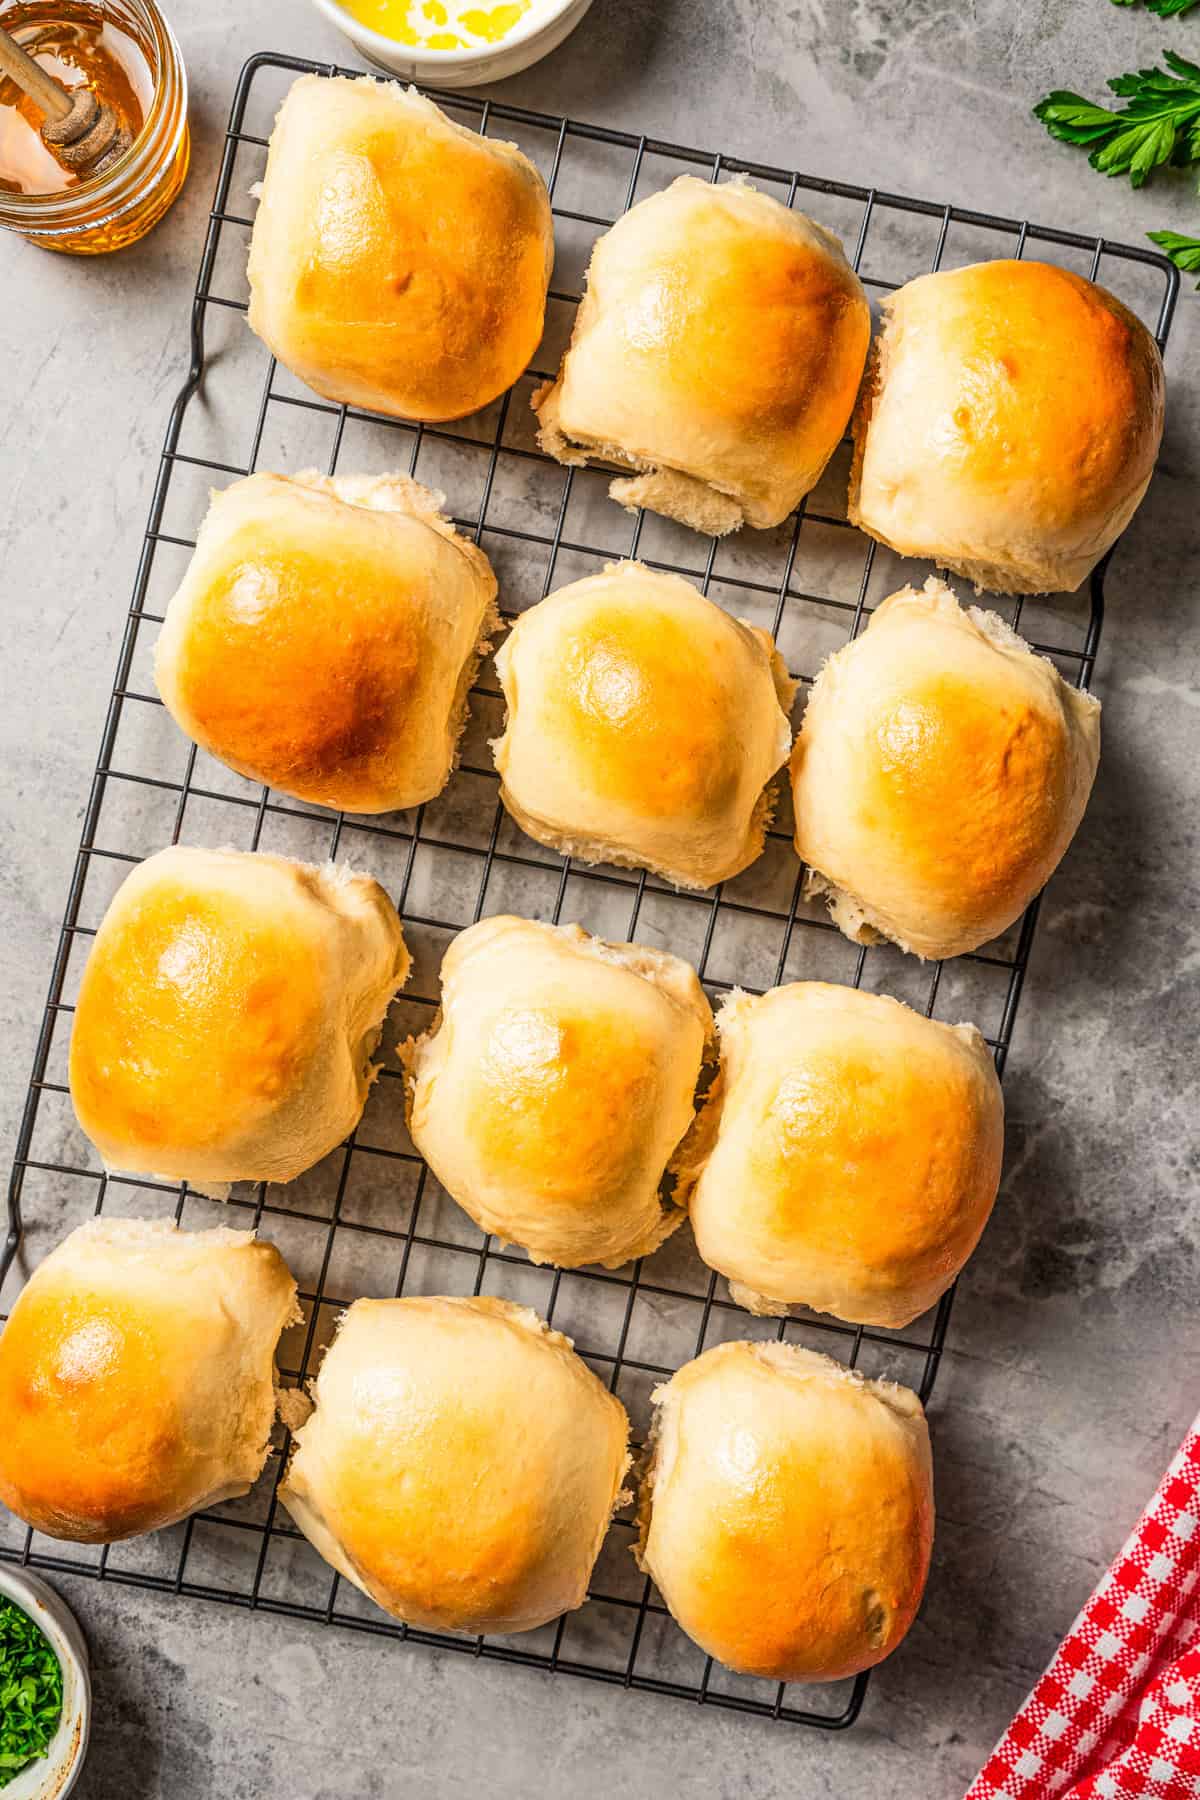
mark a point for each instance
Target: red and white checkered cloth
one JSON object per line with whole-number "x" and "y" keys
{"x": 1117, "y": 1713}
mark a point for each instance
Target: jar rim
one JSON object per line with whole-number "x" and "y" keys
{"x": 56, "y": 214}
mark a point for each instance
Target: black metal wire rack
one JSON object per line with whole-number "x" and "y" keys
{"x": 371, "y": 1219}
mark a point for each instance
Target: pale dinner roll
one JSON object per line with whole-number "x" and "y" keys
{"x": 137, "y": 1377}
{"x": 717, "y": 352}
{"x": 462, "y": 1463}
{"x": 1008, "y": 426}
{"x": 399, "y": 261}
{"x": 325, "y": 635}
{"x": 787, "y": 1511}
{"x": 558, "y": 1079}
{"x": 848, "y": 1155}
{"x": 644, "y": 726}
{"x": 939, "y": 775}
{"x": 228, "y": 1012}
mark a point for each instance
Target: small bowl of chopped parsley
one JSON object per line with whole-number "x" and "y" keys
{"x": 45, "y": 1693}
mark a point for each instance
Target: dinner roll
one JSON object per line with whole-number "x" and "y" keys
{"x": 644, "y": 725}
{"x": 557, "y": 1080}
{"x": 228, "y": 1012}
{"x": 399, "y": 261}
{"x": 939, "y": 775}
{"x": 848, "y": 1156}
{"x": 787, "y": 1511}
{"x": 325, "y": 635}
{"x": 461, "y": 1465}
{"x": 137, "y": 1377}
{"x": 1008, "y": 426}
{"x": 717, "y": 353}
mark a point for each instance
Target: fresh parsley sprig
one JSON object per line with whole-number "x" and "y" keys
{"x": 1184, "y": 252}
{"x": 1160, "y": 124}
{"x": 31, "y": 1693}
{"x": 1166, "y": 9}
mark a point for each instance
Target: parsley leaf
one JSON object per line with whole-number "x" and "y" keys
{"x": 1184, "y": 252}
{"x": 1159, "y": 125}
{"x": 30, "y": 1692}
{"x": 1166, "y": 9}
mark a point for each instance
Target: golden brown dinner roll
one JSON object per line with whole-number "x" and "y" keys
{"x": 461, "y": 1465}
{"x": 644, "y": 725}
{"x": 137, "y": 1377}
{"x": 848, "y": 1155}
{"x": 1008, "y": 426}
{"x": 325, "y": 635}
{"x": 228, "y": 1012}
{"x": 939, "y": 775}
{"x": 787, "y": 1511}
{"x": 557, "y": 1080}
{"x": 399, "y": 261}
{"x": 717, "y": 352}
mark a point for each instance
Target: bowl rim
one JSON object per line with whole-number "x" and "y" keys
{"x": 60, "y": 1768}
{"x": 386, "y": 47}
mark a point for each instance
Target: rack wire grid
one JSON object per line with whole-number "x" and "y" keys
{"x": 370, "y": 1219}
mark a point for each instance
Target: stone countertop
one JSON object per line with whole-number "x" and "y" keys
{"x": 1074, "y": 1364}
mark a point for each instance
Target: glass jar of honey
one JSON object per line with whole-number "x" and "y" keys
{"x": 125, "y": 51}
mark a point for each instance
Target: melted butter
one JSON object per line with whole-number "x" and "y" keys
{"x": 440, "y": 24}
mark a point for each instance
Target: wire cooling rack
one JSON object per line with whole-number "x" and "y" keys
{"x": 370, "y": 1219}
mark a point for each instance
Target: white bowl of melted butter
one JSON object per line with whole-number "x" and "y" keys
{"x": 454, "y": 43}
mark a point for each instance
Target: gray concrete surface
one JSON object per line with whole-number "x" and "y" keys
{"x": 1075, "y": 1363}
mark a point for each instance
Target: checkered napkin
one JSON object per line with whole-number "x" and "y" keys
{"x": 1117, "y": 1713}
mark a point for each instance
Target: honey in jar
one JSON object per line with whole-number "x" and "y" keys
{"x": 125, "y": 53}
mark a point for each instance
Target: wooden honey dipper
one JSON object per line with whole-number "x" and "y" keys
{"x": 80, "y": 133}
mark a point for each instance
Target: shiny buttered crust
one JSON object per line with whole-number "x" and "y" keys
{"x": 940, "y": 773}
{"x": 324, "y": 638}
{"x": 787, "y": 1512}
{"x": 644, "y": 726}
{"x": 399, "y": 261}
{"x": 717, "y": 352}
{"x": 228, "y": 1012}
{"x": 555, "y": 1085}
{"x": 848, "y": 1155}
{"x": 137, "y": 1377}
{"x": 462, "y": 1463}
{"x": 1009, "y": 424}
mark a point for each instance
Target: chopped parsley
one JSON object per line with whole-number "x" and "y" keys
{"x": 31, "y": 1692}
